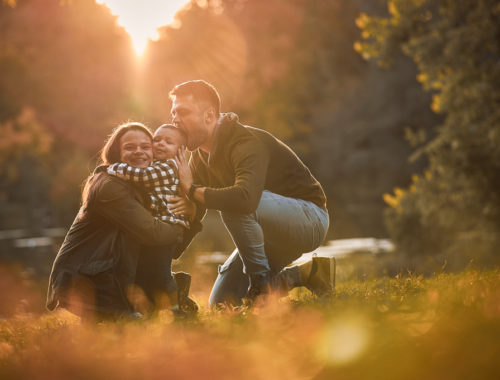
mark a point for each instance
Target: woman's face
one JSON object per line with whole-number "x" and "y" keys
{"x": 136, "y": 149}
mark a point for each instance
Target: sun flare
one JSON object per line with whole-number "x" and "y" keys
{"x": 141, "y": 19}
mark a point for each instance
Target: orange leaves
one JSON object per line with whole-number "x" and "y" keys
{"x": 21, "y": 136}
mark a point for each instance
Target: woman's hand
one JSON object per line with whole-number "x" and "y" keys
{"x": 185, "y": 176}
{"x": 182, "y": 206}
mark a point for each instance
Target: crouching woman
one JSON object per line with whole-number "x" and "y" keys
{"x": 98, "y": 259}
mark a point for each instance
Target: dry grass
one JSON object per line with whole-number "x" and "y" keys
{"x": 442, "y": 327}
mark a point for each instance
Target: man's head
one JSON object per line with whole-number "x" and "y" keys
{"x": 167, "y": 140}
{"x": 195, "y": 109}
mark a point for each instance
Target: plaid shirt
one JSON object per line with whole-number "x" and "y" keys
{"x": 161, "y": 181}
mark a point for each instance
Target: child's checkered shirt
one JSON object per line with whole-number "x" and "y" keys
{"x": 161, "y": 181}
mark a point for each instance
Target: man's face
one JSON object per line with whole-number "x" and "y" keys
{"x": 190, "y": 115}
{"x": 166, "y": 143}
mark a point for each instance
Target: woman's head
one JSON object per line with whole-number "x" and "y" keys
{"x": 130, "y": 143}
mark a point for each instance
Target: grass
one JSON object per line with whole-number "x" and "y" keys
{"x": 445, "y": 326}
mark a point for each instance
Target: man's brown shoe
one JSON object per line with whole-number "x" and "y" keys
{"x": 318, "y": 275}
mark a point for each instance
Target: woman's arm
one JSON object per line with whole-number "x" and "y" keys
{"x": 115, "y": 202}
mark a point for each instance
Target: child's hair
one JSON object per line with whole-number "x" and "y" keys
{"x": 181, "y": 131}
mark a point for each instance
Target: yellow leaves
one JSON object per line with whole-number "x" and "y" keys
{"x": 390, "y": 200}
{"x": 436, "y": 103}
{"x": 362, "y": 20}
{"x": 422, "y": 77}
{"x": 415, "y": 137}
{"x": 363, "y": 50}
{"x": 23, "y": 135}
{"x": 395, "y": 200}
{"x": 413, "y": 187}
{"x": 399, "y": 192}
{"x": 393, "y": 10}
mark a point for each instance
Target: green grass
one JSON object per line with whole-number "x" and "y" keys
{"x": 441, "y": 327}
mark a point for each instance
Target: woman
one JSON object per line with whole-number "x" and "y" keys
{"x": 97, "y": 262}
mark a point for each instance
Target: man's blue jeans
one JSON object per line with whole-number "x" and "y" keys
{"x": 277, "y": 233}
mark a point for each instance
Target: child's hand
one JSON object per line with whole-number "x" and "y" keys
{"x": 185, "y": 176}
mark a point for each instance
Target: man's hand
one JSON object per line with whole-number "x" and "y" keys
{"x": 182, "y": 206}
{"x": 185, "y": 176}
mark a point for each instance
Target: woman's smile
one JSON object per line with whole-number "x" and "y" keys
{"x": 136, "y": 149}
{"x": 139, "y": 160}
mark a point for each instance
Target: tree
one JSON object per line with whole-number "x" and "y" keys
{"x": 66, "y": 78}
{"x": 453, "y": 209}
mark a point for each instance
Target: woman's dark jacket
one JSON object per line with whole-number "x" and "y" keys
{"x": 103, "y": 246}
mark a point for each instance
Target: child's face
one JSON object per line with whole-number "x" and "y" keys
{"x": 166, "y": 143}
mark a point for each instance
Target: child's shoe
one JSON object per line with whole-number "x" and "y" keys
{"x": 186, "y": 303}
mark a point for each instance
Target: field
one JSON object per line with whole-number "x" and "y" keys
{"x": 445, "y": 326}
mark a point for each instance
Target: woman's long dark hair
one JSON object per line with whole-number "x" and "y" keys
{"x": 110, "y": 154}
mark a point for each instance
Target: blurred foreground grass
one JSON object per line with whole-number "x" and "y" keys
{"x": 442, "y": 327}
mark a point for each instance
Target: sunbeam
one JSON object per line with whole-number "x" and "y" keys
{"x": 141, "y": 18}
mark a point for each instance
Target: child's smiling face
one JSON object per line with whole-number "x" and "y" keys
{"x": 166, "y": 142}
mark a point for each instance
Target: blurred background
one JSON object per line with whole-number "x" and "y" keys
{"x": 393, "y": 105}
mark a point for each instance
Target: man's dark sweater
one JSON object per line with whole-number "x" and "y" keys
{"x": 243, "y": 162}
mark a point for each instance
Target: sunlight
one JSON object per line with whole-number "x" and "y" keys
{"x": 141, "y": 19}
{"x": 344, "y": 340}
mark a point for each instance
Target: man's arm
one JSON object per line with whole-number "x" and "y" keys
{"x": 250, "y": 160}
{"x": 159, "y": 173}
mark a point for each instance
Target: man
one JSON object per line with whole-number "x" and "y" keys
{"x": 272, "y": 206}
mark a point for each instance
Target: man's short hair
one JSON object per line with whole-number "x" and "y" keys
{"x": 201, "y": 91}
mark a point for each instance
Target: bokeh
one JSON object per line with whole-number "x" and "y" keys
{"x": 394, "y": 105}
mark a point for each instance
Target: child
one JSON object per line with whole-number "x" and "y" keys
{"x": 161, "y": 182}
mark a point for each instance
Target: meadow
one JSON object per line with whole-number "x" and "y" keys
{"x": 397, "y": 96}
{"x": 443, "y": 326}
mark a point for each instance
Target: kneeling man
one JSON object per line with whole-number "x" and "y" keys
{"x": 272, "y": 206}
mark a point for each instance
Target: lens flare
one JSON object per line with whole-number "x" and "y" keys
{"x": 141, "y": 19}
{"x": 344, "y": 340}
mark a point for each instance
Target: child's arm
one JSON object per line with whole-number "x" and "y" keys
{"x": 159, "y": 173}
